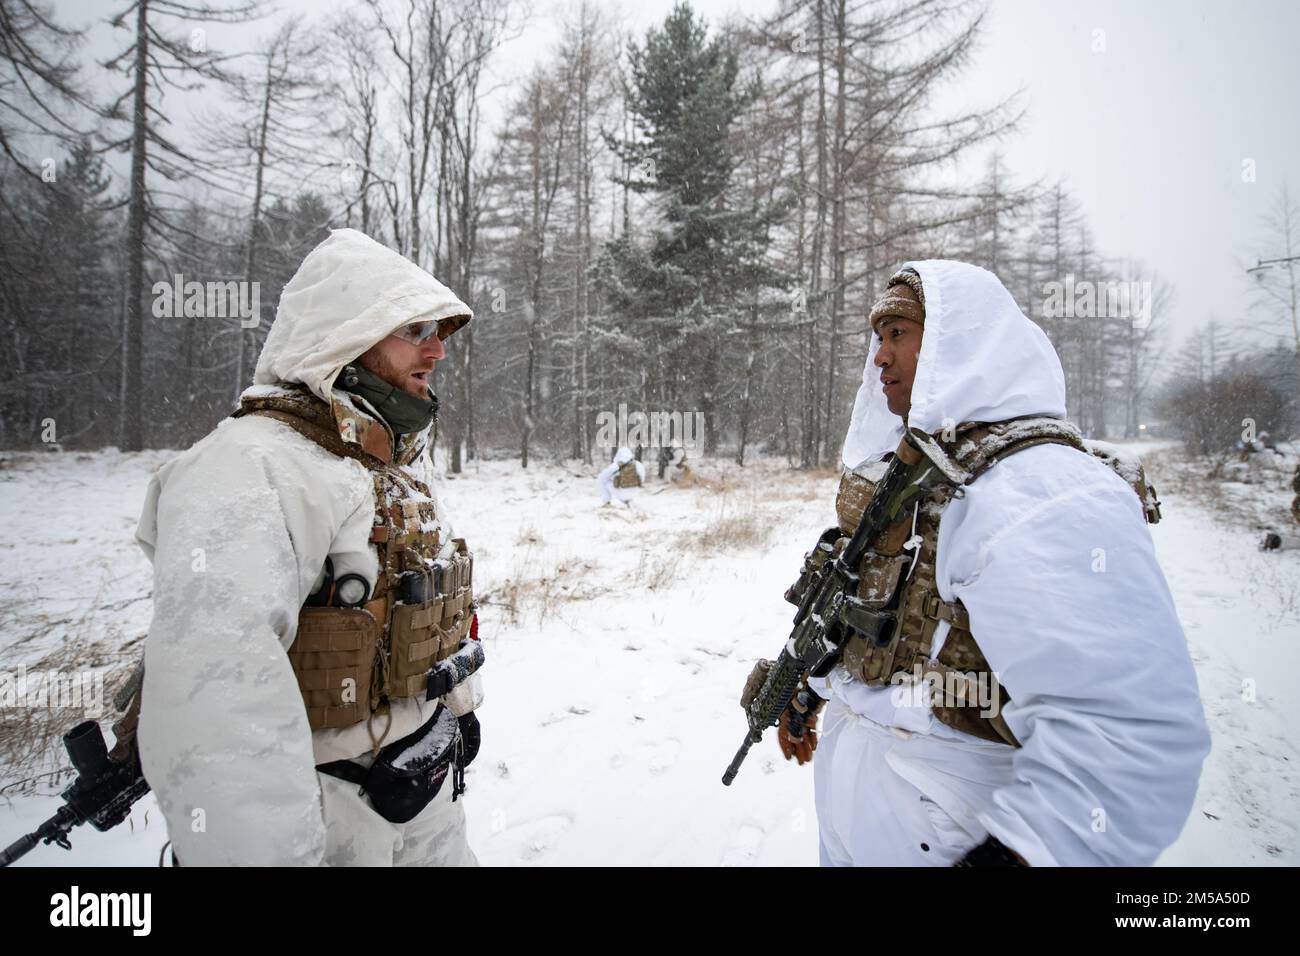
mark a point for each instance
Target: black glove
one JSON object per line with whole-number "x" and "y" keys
{"x": 992, "y": 852}
{"x": 471, "y": 736}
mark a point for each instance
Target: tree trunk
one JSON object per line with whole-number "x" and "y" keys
{"x": 246, "y": 336}
{"x": 132, "y": 428}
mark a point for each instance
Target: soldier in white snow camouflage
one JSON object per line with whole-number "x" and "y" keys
{"x": 311, "y": 669}
{"x": 1034, "y": 702}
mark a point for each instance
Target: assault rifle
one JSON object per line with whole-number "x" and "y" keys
{"x": 101, "y": 795}
{"x": 830, "y": 612}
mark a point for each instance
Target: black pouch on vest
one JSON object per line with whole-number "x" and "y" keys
{"x": 408, "y": 773}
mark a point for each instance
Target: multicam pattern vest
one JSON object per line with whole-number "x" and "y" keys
{"x": 351, "y": 661}
{"x": 627, "y": 476}
{"x": 898, "y": 571}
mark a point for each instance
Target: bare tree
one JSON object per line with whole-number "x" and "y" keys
{"x": 274, "y": 135}
{"x": 354, "y": 116}
{"x": 863, "y": 77}
{"x": 155, "y": 62}
{"x": 1277, "y": 285}
{"x": 591, "y": 62}
{"x": 461, "y": 195}
{"x": 40, "y": 93}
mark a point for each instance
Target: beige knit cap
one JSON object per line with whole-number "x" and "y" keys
{"x": 903, "y": 298}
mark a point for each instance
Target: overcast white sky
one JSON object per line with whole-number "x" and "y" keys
{"x": 1150, "y": 134}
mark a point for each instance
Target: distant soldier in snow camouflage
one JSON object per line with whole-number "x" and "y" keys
{"x": 621, "y": 480}
{"x": 310, "y": 672}
{"x": 1286, "y": 540}
{"x": 1028, "y": 698}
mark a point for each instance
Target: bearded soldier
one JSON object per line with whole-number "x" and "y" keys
{"x": 1032, "y": 700}
{"x": 309, "y": 684}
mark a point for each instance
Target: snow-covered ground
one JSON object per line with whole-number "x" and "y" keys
{"x": 618, "y": 640}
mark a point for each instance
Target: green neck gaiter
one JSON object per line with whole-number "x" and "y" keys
{"x": 402, "y": 411}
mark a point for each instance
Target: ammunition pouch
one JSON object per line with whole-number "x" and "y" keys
{"x": 335, "y": 656}
{"x": 431, "y": 627}
{"x": 348, "y": 660}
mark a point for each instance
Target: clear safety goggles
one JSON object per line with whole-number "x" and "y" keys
{"x": 417, "y": 332}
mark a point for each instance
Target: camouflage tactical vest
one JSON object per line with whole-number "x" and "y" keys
{"x": 627, "y": 476}
{"x": 351, "y": 661}
{"x": 899, "y": 571}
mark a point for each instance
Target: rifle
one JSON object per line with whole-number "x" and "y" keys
{"x": 830, "y": 612}
{"x": 101, "y": 795}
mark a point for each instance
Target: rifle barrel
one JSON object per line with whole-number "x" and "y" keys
{"x": 736, "y": 761}
{"x": 18, "y": 848}
{"x": 57, "y": 825}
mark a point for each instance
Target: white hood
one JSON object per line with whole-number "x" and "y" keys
{"x": 349, "y": 293}
{"x": 981, "y": 360}
{"x": 623, "y": 456}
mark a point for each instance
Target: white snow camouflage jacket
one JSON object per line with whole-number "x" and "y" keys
{"x": 1051, "y": 557}
{"x": 238, "y": 528}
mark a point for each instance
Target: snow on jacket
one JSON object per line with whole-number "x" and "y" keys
{"x": 1050, "y": 555}
{"x": 605, "y": 480}
{"x": 238, "y": 528}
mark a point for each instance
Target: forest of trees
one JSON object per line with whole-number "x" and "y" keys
{"x": 692, "y": 219}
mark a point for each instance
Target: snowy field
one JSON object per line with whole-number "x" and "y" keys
{"x": 617, "y": 643}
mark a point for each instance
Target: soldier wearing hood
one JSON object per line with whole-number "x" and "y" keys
{"x": 310, "y": 671}
{"x": 1035, "y": 702}
{"x": 621, "y": 479}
